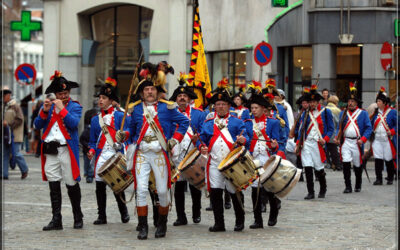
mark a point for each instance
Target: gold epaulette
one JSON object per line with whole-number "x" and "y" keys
{"x": 170, "y": 104}
{"x": 131, "y": 105}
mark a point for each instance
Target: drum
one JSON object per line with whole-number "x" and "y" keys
{"x": 279, "y": 176}
{"x": 114, "y": 173}
{"x": 238, "y": 167}
{"x": 192, "y": 168}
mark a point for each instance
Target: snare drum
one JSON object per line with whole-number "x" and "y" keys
{"x": 114, "y": 173}
{"x": 238, "y": 167}
{"x": 192, "y": 168}
{"x": 279, "y": 176}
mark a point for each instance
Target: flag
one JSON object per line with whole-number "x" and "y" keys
{"x": 198, "y": 73}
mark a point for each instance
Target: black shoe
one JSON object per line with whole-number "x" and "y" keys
{"x": 357, "y": 190}
{"x": 78, "y": 224}
{"x": 227, "y": 205}
{"x": 377, "y": 182}
{"x": 238, "y": 228}
{"x": 89, "y": 180}
{"x": 273, "y": 219}
{"x": 309, "y": 196}
{"x": 125, "y": 218}
{"x": 209, "y": 208}
{"x": 53, "y": 225}
{"x": 162, "y": 226}
{"x": 100, "y": 221}
{"x": 24, "y": 175}
{"x": 389, "y": 182}
{"x": 321, "y": 195}
{"x": 256, "y": 225}
{"x": 180, "y": 222}
{"x": 347, "y": 190}
{"x": 197, "y": 220}
{"x": 216, "y": 228}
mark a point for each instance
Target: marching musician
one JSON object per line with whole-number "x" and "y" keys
{"x": 239, "y": 102}
{"x": 279, "y": 113}
{"x": 183, "y": 96}
{"x": 59, "y": 118}
{"x": 265, "y": 133}
{"x": 152, "y": 130}
{"x": 219, "y": 135}
{"x": 103, "y": 146}
{"x": 384, "y": 128}
{"x": 316, "y": 126}
{"x": 354, "y": 130}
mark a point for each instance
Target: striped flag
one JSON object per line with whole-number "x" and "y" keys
{"x": 198, "y": 73}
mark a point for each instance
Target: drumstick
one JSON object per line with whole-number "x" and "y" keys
{"x": 236, "y": 142}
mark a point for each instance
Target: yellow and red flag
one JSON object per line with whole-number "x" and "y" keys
{"x": 198, "y": 73}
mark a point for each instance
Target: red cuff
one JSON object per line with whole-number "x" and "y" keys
{"x": 326, "y": 138}
{"x": 202, "y": 145}
{"x": 127, "y": 134}
{"x": 392, "y": 131}
{"x": 364, "y": 139}
{"x": 92, "y": 151}
{"x": 43, "y": 115}
{"x": 64, "y": 112}
{"x": 281, "y": 154}
{"x": 178, "y": 136}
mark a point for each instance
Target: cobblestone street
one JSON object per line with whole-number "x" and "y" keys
{"x": 341, "y": 221}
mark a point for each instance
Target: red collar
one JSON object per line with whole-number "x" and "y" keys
{"x": 187, "y": 109}
{"x": 351, "y": 112}
{"x": 261, "y": 118}
{"x": 108, "y": 111}
{"x": 239, "y": 107}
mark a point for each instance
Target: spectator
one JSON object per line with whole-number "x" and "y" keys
{"x": 325, "y": 95}
{"x": 37, "y": 142}
{"x": 13, "y": 118}
{"x": 332, "y": 152}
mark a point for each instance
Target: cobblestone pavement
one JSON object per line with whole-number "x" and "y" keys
{"x": 340, "y": 221}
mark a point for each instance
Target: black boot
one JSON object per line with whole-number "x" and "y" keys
{"x": 101, "y": 196}
{"x": 196, "y": 204}
{"x": 300, "y": 166}
{"x": 74, "y": 193}
{"x": 322, "y": 183}
{"x": 310, "y": 183}
{"x": 162, "y": 222}
{"x": 347, "y": 177}
{"x": 239, "y": 212}
{"x": 155, "y": 202}
{"x": 216, "y": 198}
{"x": 390, "y": 171}
{"x": 209, "y": 208}
{"x": 358, "y": 173}
{"x": 378, "y": 171}
{"x": 274, "y": 209}
{"x": 227, "y": 199}
{"x": 264, "y": 200}
{"x": 179, "y": 196}
{"x": 258, "y": 221}
{"x": 142, "y": 225}
{"x": 55, "y": 198}
{"x": 123, "y": 210}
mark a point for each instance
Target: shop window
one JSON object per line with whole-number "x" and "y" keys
{"x": 230, "y": 64}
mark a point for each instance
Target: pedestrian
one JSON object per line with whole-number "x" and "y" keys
{"x": 353, "y": 131}
{"x": 332, "y": 153}
{"x": 59, "y": 118}
{"x": 37, "y": 142}
{"x": 13, "y": 118}
{"x": 102, "y": 147}
{"x": 325, "y": 97}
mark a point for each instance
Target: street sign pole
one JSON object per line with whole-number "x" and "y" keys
{"x": 261, "y": 71}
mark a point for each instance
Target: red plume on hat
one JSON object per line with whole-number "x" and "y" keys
{"x": 270, "y": 83}
{"x": 111, "y": 81}
{"x": 269, "y": 97}
{"x": 223, "y": 84}
{"x": 382, "y": 89}
{"x": 314, "y": 87}
{"x": 306, "y": 90}
{"x": 56, "y": 74}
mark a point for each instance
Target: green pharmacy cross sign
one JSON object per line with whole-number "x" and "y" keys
{"x": 26, "y": 26}
{"x": 280, "y": 3}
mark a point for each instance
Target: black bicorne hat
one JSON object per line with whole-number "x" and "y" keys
{"x": 183, "y": 88}
{"x": 109, "y": 89}
{"x": 313, "y": 95}
{"x": 382, "y": 95}
{"x": 353, "y": 93}
{"x": 60, "y": 83}
{"x": 221, "y": 93}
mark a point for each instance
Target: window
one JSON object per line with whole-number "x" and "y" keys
{"x": 230, "y": 64}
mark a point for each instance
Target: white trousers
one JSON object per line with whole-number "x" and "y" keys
{"x": 310, "y": 156}
{"x": 58, "y": 167}
{"x": 145, "y": 162}
{"x": 218, "y": 180}
{"x": 382, "y": 150}
{"x": 260, "y": 160}
{"x": 351, "y": 152}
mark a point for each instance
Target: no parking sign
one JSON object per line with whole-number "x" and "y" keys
{"x": 25, "y": 74}
{"x": 263, "y": 53}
